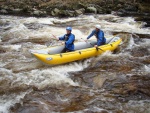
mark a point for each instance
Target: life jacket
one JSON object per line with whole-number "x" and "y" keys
{"x": 67, "y": 38}
{"x": 103, "y": 38}
{"x": 96, "y": 34}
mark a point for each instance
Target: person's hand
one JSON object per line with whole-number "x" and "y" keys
{"x": 95, "y": 46}
{"x": 57, "y": 38}
{"x": 86, "y": 40}
{"x": 63, "y": 43}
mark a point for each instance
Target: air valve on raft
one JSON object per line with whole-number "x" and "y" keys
{"x": 49, "y": 58}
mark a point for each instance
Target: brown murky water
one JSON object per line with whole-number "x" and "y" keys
{"x": 116, "y": 82}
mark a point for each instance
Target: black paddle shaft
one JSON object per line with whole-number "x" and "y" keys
{"x": 97, "y": 48}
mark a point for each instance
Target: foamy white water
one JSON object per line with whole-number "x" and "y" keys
{"x": 7, "y": 101}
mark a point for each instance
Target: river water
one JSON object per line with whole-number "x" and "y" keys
{"x": 117, "y": 82}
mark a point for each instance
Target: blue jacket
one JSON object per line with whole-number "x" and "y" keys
{"x": 69, "y": 41}
{"x": 100, "y": 37}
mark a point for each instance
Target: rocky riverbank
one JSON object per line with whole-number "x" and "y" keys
{"x": 73, "y": 8}
{"x": 69, "y": 8}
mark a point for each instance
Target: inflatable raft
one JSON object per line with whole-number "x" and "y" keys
{"x": 55, "y": 55}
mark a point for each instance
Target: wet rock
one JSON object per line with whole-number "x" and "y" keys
{"x": 26, "y": 9}
{"x": 72, "y": 13}
{"x": 62, "y": 13}
{"x": 144, "y": 7}
{"x": 17, "y": 10}
{"x": 100, "y": 11}
{"x": 5, "y": 7}
{"x": 3, "y": 11}
{"x": 55, "y": 12}
{"x": 121, "y": 12}
{"x": 119, "y": 6}
{"x": 38, "y": 13}
{"x": 81, "y": 5}
{"x": 91, "y": 10}
{"x": 99, "y": 80}
{"x": 79, "y": 12}
{"x": 72, "y": 8}
{"x": 131, "y": 8}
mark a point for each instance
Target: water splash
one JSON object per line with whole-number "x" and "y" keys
{"x": 147, "y": 68}
{"x": 10, "y": 100}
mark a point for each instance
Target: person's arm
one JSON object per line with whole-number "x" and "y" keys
{"x": 100, "y": 38}
{"x": 70, "y": 40}
{"x": 61, "y": 38}
{"x": 93, "y": 32}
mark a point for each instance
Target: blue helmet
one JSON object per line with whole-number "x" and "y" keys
{"x": 69, "y": 28}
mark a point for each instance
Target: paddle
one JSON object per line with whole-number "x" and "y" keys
{"x": 55, "y": 36}
{"x": 111, "y": 40}
{"x": 97, "y": 48}
{"x": 50, "y": 43}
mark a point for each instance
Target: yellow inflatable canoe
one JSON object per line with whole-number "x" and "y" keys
{"x": 53, "y": 55}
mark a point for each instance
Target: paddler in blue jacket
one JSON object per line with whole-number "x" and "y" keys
{"x": 99, "y": 34}
{"x": 69, "y": 39}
